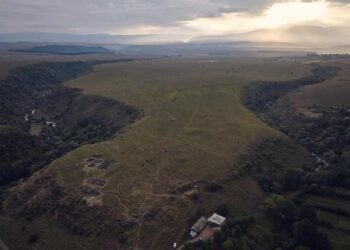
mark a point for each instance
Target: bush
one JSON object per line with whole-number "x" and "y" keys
{"x": 282, "y": 210}
{"x": 307, "y": 212}
{"x": 292, "y": 178}
{"x": 227, "y": 245}
{"x": 222, "y": 210}
{"x": 195, "y": 196}
{"x": 307, "y": 234}
{"x": 213, "y": 187}
{"x": 33, "y": 239}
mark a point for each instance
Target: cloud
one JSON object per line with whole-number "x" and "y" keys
{"x": 173, "y": 18}
{"x": 284, "y": 14}
{"x": 104, "y": 16}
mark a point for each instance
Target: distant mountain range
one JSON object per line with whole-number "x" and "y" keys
{"x": 64, "y": 50}
{"x": 85, "y": 39}
{"x": 297, "y": 38}
{"x": 302, "y": 36}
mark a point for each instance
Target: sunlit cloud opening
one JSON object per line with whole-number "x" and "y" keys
{"x": 291, "y": 13}
{"x": 140, "y": 30}
{"x": 278, "y": 15}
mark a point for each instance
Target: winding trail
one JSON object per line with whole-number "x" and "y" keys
{"x": 125, "y": 208}
{"x": 165, "y": 162}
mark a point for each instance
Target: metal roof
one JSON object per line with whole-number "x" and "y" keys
{"x": 199, "y": 225}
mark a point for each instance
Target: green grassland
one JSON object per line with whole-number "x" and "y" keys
{"x": 333, "y": 92}
{"x": 194, "y": 128}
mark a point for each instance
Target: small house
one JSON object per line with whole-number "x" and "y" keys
{"x": 198, "y": 226}
{"x": 217, "y": 220}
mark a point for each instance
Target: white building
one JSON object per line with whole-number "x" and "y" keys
{"x": 217, "y": 220}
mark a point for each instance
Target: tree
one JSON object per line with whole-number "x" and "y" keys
{"x": 213, "y": 187}
{"x": 292, "y": 178}
{"x": 307, "y": 234}
{"x": 307, "y": 212}
{"x": 195, "y": 195}
{"x": 219, "y": 237}
{"x": 228, "y": 245}
{"x": 222, "y": 210}
{"x": 33, "y": 238}
{"x": 282, "y": 210}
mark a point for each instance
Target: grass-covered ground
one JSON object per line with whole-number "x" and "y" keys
{"x": 334, "y": 92}
{"x": 194, "y": 130}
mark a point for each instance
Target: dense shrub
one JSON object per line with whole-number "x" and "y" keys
{"x": 307, "y": 234}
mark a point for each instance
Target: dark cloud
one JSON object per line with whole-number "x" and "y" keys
{"x": 111, "y": 16}
{"x": 98, "y": 16}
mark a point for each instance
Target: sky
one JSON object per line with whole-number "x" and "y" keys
{"x": 175, "y": 19}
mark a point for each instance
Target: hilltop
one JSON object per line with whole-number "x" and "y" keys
{"x": 65, "y": 50}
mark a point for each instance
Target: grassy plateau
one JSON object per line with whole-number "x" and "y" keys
{"x": 194, "y": 130}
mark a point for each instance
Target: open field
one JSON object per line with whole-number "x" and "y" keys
{"x": 334, "y": 92}
{"x": 194, "y": 131}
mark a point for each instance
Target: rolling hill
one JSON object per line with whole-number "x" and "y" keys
{"x": 65, "y": 50}
{"x": 194, "y": 132}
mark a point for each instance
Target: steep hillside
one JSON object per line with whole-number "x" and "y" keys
{"x": 317, "y": 117}
{"x": 41, "y": 120}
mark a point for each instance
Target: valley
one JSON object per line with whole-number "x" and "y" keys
{"x": 184, "y": 125}
{"x": 316, "y": 116}
{"x": 144, "y": 184}
{"x": 32, "y": 98}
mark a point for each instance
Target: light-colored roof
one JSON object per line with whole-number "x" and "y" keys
{"x": 217, "y": 219}
{"x": 199, "y": 225}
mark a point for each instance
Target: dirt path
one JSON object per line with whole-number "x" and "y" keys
{"x": 125, "y": 208}
{"x": 164, "y": 162}
{"x": 3, "y": 245}
{"x": 196, "y": 147}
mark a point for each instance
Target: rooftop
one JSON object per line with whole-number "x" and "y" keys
{"x": 217, "y": 219}
{"x": 200, "y": 223}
